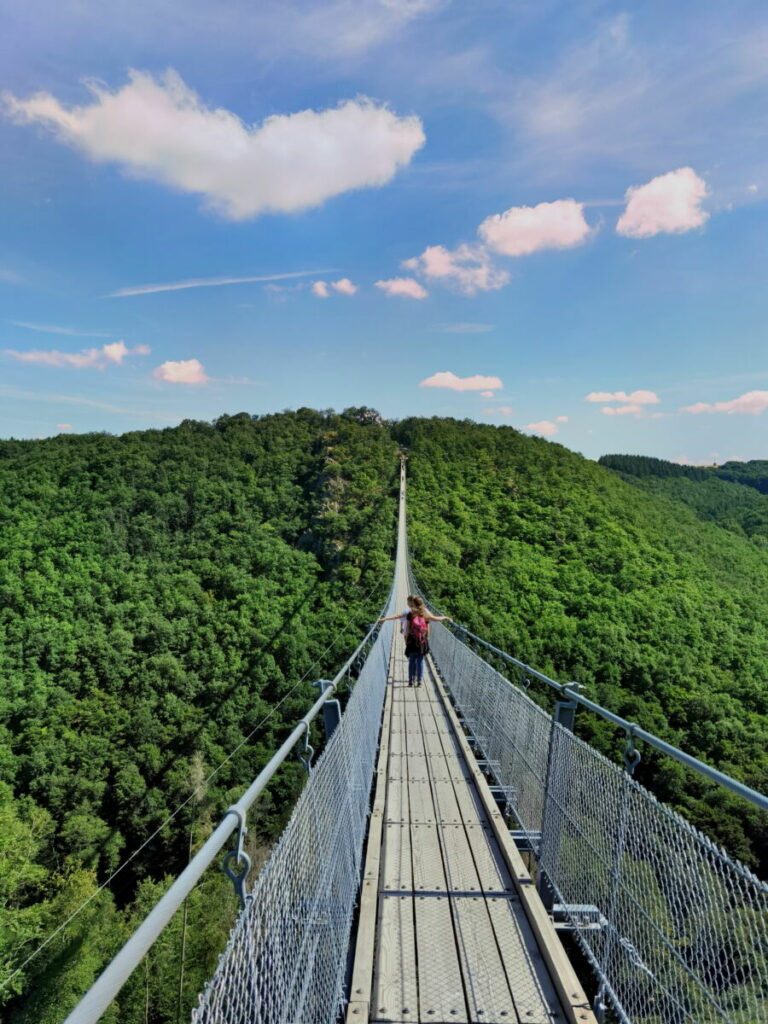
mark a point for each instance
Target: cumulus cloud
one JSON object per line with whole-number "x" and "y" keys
{"x": 526, "y": 229}
{"x": 499, "y": 410}
{"x": 670, "y": 204}
{"x": 544, "y": 427}
{"x": 622, "y": 410}
{"x": 343, "y": 286}
{"x": 561, "y": 419}
{"x": 159, "y": 128}
{"x": 446, "y": 379}
{"x": 636, "y": 398}
{"x": 468, "y": 268}
{"x": 487, "y": 394}
{"x": 64, "y": 428}
{"x": 89, "y": 358}
{"x": 750, "y": 404}
{"x": 185, "y": 371}
{"x": 406, "y": 287}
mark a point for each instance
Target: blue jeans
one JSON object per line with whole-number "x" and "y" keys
{"x": 415, "y": 667}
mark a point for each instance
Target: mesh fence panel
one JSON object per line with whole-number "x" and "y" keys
{"x": 286, "y": 957}
{"x": 676, "y": 929}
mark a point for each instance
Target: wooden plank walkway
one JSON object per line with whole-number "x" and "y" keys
{"x": 451, "y": 928}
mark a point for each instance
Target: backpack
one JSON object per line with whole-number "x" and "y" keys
{"x": 416, "y": 633}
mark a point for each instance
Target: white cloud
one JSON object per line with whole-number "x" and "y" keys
{"x": 89, "y": 358}
{"x": 499, "y": 410}
{"x": 622, "y": 410}
{"x": 206, "y": 282}
{"x": 561, "y": 419}
{"x": 526, "y": 229}
{"x": 161, "y": 129}
{"x": 670, "y": 203}
{"x": 344, "y": 286}
{"x": 636, "y": 398}
{"x": 544, "y": 427}
{"x": 46, "y": 329}
{"x": 487, "y": 394}
{"x": 751, "y": 404}
{"x": 185, "y": 371}
{"x": 342, "y": 28}
{"x": 446, "y": 379}
{"x": 468, "y": 268}
{"x": 406, "y": 287}
{"x": 64, "y": 428}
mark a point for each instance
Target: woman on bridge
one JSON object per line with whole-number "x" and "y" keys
{"x": 415, "y": 628}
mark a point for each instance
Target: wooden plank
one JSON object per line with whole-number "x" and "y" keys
{"x": 395, "y": 989}
{"x": 427, "y": 856}
{"x": 490, "y": 865}
{"x": 485, "y": 980}
{"x": 396, "y": 871}
{"x": 572, "y": 997}
{"x": 415, "y": 744}
{"x": 471, "y": 804}
{"x": 527, "y": 975}
{"x": 422, "y": 807}
{"x": 397, "y": 796}
{"x": 446, "y": 806}
{"x": 461, "y": 873}
{"x": 441, "y": 993}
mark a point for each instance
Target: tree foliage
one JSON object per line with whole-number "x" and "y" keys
{"x": 161, "y": 594}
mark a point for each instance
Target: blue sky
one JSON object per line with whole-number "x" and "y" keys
{"x": 548, "y": 215}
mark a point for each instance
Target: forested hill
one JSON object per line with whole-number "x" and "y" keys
{"x": 733, "y": 495}
{"x": 160, "y": 593}
{"x": 163, "y": 591}
{"x": 589, "y": 578}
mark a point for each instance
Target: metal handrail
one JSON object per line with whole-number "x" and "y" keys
{"x": 634, "y": 731}
{"x": 95, "y": 1002}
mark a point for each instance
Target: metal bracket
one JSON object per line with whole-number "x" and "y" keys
{"x": 238, "y": 857}
{"x": 631, "y": 753}
{"x": 309, "y": 750}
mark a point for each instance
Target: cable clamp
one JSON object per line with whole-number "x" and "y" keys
{"x": 308, "y": 749}
{"x": 237, "y": 864}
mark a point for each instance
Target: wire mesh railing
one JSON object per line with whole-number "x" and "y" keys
{"x": 287, "y": 955}
{"x": 675, "y": 929}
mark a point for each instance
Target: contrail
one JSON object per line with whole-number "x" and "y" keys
{"x": 209, "y": 282}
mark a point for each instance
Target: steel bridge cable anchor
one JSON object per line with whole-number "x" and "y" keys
{"x": 632, "y": 755}
{"x": 238, "y": 858}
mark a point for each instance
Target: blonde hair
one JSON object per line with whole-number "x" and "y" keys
{"x": 417, "y": 605}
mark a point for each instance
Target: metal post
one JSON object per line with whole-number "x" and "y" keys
{"x": 331, "y": 717}
{"x": 564, "y": 716}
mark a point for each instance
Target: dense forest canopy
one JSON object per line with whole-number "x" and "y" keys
{"x": 164, "y": 591}
{"x": 734, "y": 495}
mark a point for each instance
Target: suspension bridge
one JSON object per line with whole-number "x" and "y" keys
{"x": 445, "y": 840}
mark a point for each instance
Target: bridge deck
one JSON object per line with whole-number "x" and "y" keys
{"x": 450, "y": 927}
